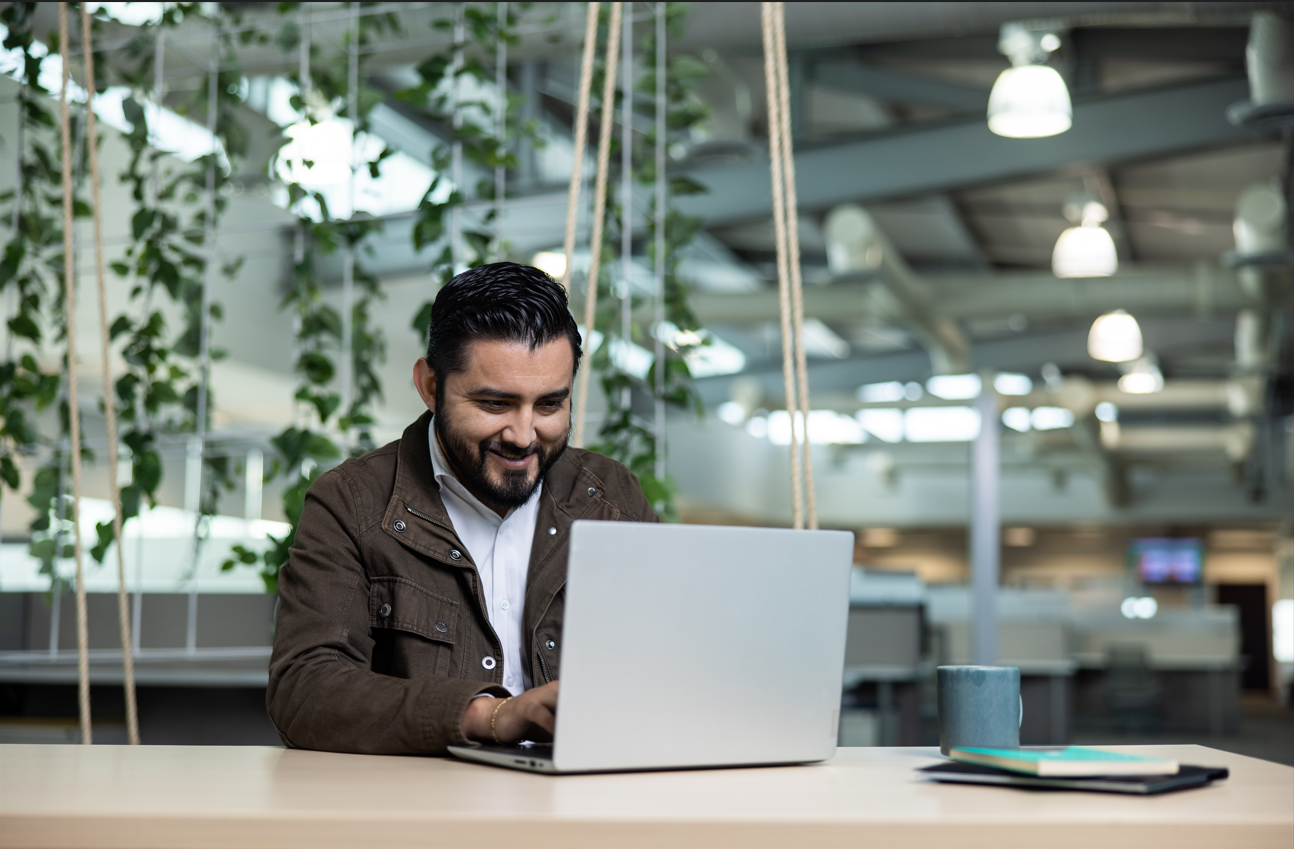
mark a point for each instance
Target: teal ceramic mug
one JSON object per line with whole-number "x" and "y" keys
{"x": 979, "y": 707}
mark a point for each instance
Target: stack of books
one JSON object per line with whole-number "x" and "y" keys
{"x": 1071, "y": 768}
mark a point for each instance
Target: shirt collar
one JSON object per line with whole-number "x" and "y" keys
{"x": 440, "y": 469}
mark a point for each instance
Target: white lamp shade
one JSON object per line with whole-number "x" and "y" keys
{"x": 318, "y": 155}
{"x": 1115, "y": 338}
{"x": 1084, "y": 252}
{"x": 1029, "y": 102}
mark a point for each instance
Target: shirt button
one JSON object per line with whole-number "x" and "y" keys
{"x": 399, "y": 526}
{"x": 441, "y": 627}
{"x": 593, "y": 491}
{"x": 508, "y": 681}
{"x": 550, "y": 645}
{"x": 487, "y": 662}
{"x": 504, "y": 604}
{"x": 552, "y": 532}
{"x": 455, "y": 554}
{"x": 384, "y": 611}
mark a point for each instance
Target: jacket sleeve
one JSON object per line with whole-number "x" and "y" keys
{"x": 322, "y": 691}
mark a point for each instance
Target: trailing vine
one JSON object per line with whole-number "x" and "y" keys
{"x": 31, "y": 275}
{"x": 623, "y": 435}
{"x": 305, "y": 448}
{"x": 158, "y": 394}
{"x": 474, "y": 125}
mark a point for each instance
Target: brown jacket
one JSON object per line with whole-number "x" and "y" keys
{"x": 382, "y": 625}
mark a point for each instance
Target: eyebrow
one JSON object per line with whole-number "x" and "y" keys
{"x": 488, "y": 392}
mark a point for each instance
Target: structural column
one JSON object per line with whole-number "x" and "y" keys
{"x": 985, "y": 526}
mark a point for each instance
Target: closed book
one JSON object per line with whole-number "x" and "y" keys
{"x": 1071, "y": 761}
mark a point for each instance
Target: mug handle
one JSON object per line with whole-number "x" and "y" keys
{"x": 1021, "y": 724}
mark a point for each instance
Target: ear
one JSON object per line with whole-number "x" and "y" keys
{"x": 425, "y": 380}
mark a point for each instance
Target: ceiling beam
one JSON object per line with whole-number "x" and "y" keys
{"x": 1036, "y": 296}
{"x": 857, "y": 78}
{"x": 939, "y": 157}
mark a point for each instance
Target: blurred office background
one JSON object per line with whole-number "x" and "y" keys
{"x": 1141, "y": 557}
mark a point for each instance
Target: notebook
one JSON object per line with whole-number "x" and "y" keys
{"x": 1069, "y": 761}
{"x": 1139, "y": 785}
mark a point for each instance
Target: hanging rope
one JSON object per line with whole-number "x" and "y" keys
{"x": 599, "y": 207}
{"x": 69, "y": 294}
{"x": 789, "y": 282}
{"x": 581, "y": 139}
{"x": 110, "y": 407}
{"x": 793, "y": 252}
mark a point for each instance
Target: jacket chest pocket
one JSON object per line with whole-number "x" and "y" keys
{"x": 414, "y": 630}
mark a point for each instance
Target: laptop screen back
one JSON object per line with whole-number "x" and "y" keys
{"x": 687, "y": 645}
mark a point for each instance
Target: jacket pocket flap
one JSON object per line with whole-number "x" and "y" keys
{"x": 401, "y": 604}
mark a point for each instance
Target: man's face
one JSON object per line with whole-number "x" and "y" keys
{"x": 504, "y": 421}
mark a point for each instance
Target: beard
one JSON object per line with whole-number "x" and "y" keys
{"x": 469, "y": 462}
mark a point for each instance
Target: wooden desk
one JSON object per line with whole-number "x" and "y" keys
{"x": 156, "y": 796}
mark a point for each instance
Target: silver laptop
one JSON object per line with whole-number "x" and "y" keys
{"x": 693, "y": 646}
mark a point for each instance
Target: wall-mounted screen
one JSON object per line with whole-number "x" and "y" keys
{"x": 1167, "y": 561}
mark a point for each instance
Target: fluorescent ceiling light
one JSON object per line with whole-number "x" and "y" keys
{"x": 1017, "y": 418}
{"x": 826, "y": 427}
{"x": 1029, "y": 102}
{"x": 1142, "y": 377}
{"x": 885, "y": 424}
{"x": 954, "y": 387}
{"x": 941, "y": 424}
{"x": 1107, "y": 412}
{"x": 1051, "y": 418}
{"x": 731, "y": 412}
{"x": 1115, "y": 338}
{"x": 881, "y": 393}
{"x": 552, "y": 263}
{"x": 1283, "y": 630}
{"x": 1007, "y": 383}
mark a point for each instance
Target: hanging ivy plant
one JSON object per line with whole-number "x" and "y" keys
{"x": 623, "y": 435}
{"x": 31, "y": 276}
{"x": 304, "y": 449}
{"x": 480, "y": 31}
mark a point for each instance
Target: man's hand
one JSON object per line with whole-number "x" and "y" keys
{"x": 530, "y": 716}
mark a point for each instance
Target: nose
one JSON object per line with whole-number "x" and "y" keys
{"x": 520, "y": 430}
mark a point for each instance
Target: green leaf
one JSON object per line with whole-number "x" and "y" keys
{"x": 141, "y": 221}
{"x": 9, "y": 473}
{"x": 23, "y": 325}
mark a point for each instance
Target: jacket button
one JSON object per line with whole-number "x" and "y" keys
{"x": 455, "y": 554}
{"x": 487, "y": 662}
{"x": 593, "y": 490}
{"x": 550, "y": 645}
{"x": 384, "y": 611}
{"x": 552, "y": 532}
{"x": 399, "y": 526}
{"x": 441, "y": 627}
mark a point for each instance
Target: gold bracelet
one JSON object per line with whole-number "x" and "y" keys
{"x": 495, "y": 715}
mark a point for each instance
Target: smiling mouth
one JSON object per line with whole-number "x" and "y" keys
{"x": 513, "y": 463}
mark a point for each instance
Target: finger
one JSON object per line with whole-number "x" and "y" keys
{"x": 540, "y": 715}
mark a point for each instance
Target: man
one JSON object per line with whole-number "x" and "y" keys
{"x": 422, "y": 605}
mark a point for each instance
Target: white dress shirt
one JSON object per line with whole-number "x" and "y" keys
{"x": 500, "y": 548}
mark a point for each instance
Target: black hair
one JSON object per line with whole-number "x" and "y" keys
{"x": 499, "y": 301}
